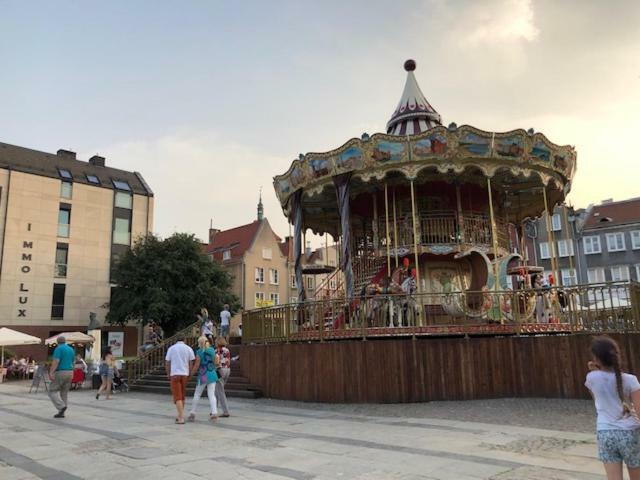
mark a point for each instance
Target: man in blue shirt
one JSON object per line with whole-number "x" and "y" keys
{"x": 60, "y": 374}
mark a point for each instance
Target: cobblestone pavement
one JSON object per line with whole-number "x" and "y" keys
{"x": 134, "y": 437}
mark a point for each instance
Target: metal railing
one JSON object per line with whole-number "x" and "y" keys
{"x": 610, "y": 307}
{"x": 153, "y": 358}
{"x": 447, "y": 228}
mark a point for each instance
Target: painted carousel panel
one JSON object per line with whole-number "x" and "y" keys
{"x": 389, "y": 152}
{"x": 473, "y": 144}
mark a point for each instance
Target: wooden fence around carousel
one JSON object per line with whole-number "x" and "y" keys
{"x": 601, "y": 308}
{"x": 424, "y": 369}
{"x": 292, "y": 351}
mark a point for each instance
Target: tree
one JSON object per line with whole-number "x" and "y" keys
{"x": 168, "y": 281}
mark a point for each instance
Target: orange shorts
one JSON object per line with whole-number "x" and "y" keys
{"x": 179, "y": 387}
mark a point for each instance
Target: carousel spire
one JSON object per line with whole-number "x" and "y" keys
{"x": 413, "y": 114}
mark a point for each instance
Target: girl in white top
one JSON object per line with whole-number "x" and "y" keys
{"x": 617, "y": 399}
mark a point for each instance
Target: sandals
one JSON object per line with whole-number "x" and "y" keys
{"x": 213, "y": 418}
{"x": 178, "y": 422}
{"x": 191, "y": 417}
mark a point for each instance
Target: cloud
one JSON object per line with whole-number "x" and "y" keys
{"x": 496, "y": 23}
{"x": 198, "y": 176}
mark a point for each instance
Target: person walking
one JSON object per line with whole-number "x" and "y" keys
{"x": 225, "y": 321}
{"x": 225, "y": 370}
{"x": 207, "y": 325}
{"x": 205, "y": 368}
{"x": 107, "y": 372}
{"x": 60, "y": 373}
{"x": 617, "y": 400}
{"x": 179, "y": 364}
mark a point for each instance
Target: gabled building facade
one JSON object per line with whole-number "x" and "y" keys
{"x": 63, "y": 224}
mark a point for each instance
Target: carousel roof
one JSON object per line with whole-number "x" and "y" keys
{"x": 414, "y": 114}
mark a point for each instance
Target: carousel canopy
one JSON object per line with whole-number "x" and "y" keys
{"x": 521, "y": 164}
{"x": 413, "y": 114}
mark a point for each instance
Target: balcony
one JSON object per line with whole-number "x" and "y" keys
{"x": 445, "y": 228}
{"x": 60, "y": 270}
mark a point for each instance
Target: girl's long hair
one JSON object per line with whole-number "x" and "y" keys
{"x": 606, "y": 351}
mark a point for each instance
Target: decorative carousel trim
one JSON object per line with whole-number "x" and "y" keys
{"x": 448, "y": 149}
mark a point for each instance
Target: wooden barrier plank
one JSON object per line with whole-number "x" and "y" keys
{"x": 425, "y": 369}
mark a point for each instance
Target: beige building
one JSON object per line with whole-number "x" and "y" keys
{"x": 262, "y": 267}
{"x": 63, "y": 223}
{"x": 251, "y": 253}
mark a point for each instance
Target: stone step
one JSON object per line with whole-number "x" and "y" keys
{"x": 192, "y": 384}
{"x": 164, "y": 389}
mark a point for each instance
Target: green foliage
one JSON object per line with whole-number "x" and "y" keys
{"x": 168, "y": 281}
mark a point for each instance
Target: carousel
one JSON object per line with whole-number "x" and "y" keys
{"x": 428, "y": 217}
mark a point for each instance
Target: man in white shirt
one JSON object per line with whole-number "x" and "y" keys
{"x": 178, "y": 363}
{"x": 225, "y": 320}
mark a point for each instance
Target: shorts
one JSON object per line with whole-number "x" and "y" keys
{"x": 615, "y": 446}
{"x": 179, "y": 387}
{"x": 224, "y": 331}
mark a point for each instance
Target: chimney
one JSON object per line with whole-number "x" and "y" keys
{"x": 66, "y": 153}
{"x": 607, "y": 200}
{"x": 97, "y": 161}
{"x": 307, "y": 248}
{"x": 212, "y": 234}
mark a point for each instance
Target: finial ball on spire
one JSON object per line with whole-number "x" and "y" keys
{"x": 410, "y": 65}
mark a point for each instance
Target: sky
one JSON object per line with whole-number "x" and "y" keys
{"x": 210, "y": 100}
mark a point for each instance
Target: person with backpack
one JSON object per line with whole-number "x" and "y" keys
{"x": 617, "y": 400}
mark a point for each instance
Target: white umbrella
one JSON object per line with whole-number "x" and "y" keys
{"x": 77, "y": 338}
{"x": 10, "y": 338}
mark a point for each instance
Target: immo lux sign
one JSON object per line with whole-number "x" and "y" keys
{"x": 26, "y": 260}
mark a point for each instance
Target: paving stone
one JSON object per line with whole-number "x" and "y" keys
{"x": 134, "y": 437}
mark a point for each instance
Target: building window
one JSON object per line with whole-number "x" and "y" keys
{"x": 123, "y": 200}
{"x": 615, "y": 242}
{"x": 565, "y": 248}
{"x": 620, "y": 273}
{"x": 635, "y": 239}
{"x": 274, "y": 298}
{"x": 93, "y": 179}
{"x": 226, "y": 255}
{"x": 274, "y": 277}
{"x": 637, "y": 272}
{"x": 544, "y": 250}
{"x": 64, "y": 220}
{"x": 122, "y": 231}
{"x": 66, "y": 189}
{"x": 62, "y": 257}
{"x": 568, "y": 276}
{"x": 333, "y": 285}
{"x": 595, "y": 275}
{"x": 310, "y": 283}
{"x": 266, "y": 253}
{"x": 292, "y": 281}
{"x": 121, "y": 185}
{"x": 57, "y": 301}
{"x": 66, "y": 174}
{"x": 259, "y": 275}
{"x": 259, "y": 301}
{"x": 556, "y": 224}
{"x": 591, "y": 245}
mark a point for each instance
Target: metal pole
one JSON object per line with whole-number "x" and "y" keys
{"x": 569, "y": 239}
{"x": 395, "y": 228}
{"x": 461, "y": 238}
{"x": 415, "y": 247}
{"x": 386, "y": 220}
{"x": 550, "y": 236}
{"x": 376, "y": 237}
{"x": 494, "y": 239}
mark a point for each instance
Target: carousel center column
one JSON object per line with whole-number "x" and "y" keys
{"x": 342, "y": 184}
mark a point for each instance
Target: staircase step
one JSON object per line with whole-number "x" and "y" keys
{"x": 232, "y": 393}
